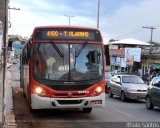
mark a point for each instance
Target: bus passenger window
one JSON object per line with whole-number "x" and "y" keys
{"x": 40, "y": 64}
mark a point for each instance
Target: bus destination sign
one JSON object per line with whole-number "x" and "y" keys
{"x": 67, "y": 34}
{"x": 71, "y": 34}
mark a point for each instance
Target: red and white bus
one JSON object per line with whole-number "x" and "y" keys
{"x": 63, "y": 67}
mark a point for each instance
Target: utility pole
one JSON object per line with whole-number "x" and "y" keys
{"x": 4, "y": 18}
{"x": 98, "y": 14}
{"x": 151, "y": 28}
{"x": 151, "y": 47}
{"x": 5, "y": 31}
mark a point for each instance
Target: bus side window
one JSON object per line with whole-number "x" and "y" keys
{"x": 24, "y": 57}
{"x": 29, "y": 50}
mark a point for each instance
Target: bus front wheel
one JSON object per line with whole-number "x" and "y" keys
{"x": 87, "y": 110}
{"x": 32, "y": 110}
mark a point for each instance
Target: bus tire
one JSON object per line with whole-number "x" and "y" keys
{"x": 24, "y": 95}
{"x": 87, "y": 110}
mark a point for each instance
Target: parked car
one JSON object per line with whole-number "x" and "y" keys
{"x": 114, "y": 72}
{"x": 153, "y": 94}
{"x": 9, "y": 65}
{"x": 118, "y": 72}
{"x": 108, "y": 77}
{"x": 127, "y": 87}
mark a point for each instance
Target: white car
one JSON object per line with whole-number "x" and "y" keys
{"x": 115, "y": 72}
{"x": 127, "y": 87}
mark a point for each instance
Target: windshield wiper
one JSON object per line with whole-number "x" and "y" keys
{"x": 57, "y": 49}
{"x": 81, "y": 49}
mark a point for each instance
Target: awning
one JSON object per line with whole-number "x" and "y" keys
{"x": 129, "y": 41}
{"x": 155, "y": 66}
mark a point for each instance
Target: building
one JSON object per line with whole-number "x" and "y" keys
{"x": 126, "y": 55}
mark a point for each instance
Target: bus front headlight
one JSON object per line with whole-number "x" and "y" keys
{"x": 97, "y": 91}
{"x": 38, "y": 90}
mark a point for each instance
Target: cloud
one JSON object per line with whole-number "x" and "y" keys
{"x": 43, "y": 13}
{"x": 119, "y": 19}
{"x": 128, "y": 21}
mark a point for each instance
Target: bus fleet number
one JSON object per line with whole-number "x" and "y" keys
{"x": 53, "y": 33}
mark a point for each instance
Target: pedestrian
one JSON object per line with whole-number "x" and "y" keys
{"x": 153, "y": 75}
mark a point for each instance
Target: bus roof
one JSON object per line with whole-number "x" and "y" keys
{"x": 66, "y": 26}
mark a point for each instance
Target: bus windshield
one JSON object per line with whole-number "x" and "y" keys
{"x": 67, "y": 61}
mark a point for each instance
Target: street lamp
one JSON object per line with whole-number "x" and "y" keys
{"x": 69, "y": 18}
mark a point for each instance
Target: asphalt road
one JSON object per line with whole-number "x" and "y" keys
{"x": 115, "y": 112}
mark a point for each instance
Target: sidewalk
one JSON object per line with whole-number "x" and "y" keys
{"x": 8, "y": 112}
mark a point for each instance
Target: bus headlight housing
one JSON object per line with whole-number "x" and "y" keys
{"x": 97, "y": 91}
{"x": 39, "y": 91}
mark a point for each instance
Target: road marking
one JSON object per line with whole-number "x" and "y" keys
{"x": 125, "y": 113}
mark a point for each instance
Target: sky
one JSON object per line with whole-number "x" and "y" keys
{"x": 118, "y": 19}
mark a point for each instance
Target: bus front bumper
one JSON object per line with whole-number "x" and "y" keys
{"x": 38, "y": 102}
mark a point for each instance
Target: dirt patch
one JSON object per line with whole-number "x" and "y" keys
{"x": 21, "y": 108}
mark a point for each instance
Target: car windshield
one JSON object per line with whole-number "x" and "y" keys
{"x": 132, "y": 79}
{"x": 67, "y": 62}
{"x": 156, "y": 81}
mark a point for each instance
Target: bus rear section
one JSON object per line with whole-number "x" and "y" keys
{"x": 66, "y": 70}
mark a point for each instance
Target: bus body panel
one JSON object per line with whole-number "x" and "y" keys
{"x": 54, "y": 103}
{"x": 26, "y": 82}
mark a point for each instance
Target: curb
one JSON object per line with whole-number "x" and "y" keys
{"x": 10, "y": 121}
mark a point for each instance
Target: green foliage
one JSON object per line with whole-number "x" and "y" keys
{"x": 112, "y": 40}
{"x": 17, "y": 39}
{"x": 14, "y": 38}
{"x": 23, "y": 42}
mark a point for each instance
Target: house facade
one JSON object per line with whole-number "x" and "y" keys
{"x": 148, "y": 58}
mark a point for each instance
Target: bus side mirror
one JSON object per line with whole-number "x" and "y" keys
{"x": 29, "y": 50}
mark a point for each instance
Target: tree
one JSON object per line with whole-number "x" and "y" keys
{"x": 23, "y": 42}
